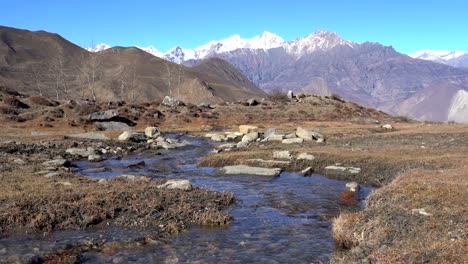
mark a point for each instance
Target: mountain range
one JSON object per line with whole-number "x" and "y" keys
{"x": 452, "y": 58}
{"x": 373, "y": 75}
{"x": 368, "y": 73}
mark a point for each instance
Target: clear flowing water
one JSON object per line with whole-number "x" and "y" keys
{"x": 283, "y": 219}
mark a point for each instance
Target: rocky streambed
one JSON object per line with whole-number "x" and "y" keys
{"x": 274, "y": 219}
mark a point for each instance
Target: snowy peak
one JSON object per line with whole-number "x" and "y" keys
{"x": 319, "y": 40}
{"x": 151, "y": 50}
{"x": 99, "y": 47}
{"x": 441, "y": 56}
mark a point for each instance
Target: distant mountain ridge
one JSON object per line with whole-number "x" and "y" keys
{"x": 452, "y": 58}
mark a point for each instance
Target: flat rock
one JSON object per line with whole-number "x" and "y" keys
{"x": 244, "y": 169}
{"x": 57, "y": 163}
{"x": 308, "y": 134}
{"x": 132, "y": 177}
{"x": 177, "y": 184}
{"x": 306, "y": 172}
{"x": 349, "y": 170}
{"x": 90, "y": 135}
{"x": 245, "y": 129}
{"x": 352, "y": 186}
{"x": 104, "y": 115}
{"x": 112, "y": 126}
{"x": 282, "y": 154}
{"x": 270, "y": 161}
{"x": 84, "y": 153}
{"x": 132, "y": 136}
{"x": 250, "y": 137}
{"x": 95, "y": 158}
{"x": 292, "y": 141}
{"x": 152, "y": 132}
{"x": 305, "y": 156}
{"x": 218, "y": 138}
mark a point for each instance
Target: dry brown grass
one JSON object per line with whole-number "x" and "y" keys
{"x": 35, "y": 203}
{"x": 420, "y": 217}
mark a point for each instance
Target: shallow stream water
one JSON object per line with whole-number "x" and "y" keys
{"x": 284, "y": 219}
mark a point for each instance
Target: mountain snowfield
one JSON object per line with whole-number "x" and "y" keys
{"x": 319, "y": 40}
{"x": 452, "y": 58}
{"x": 458, "y": 110}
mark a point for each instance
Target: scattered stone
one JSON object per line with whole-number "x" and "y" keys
{"x": 165, "y": 145}
{"x": 270, "y": 161}
{"x": 252, "y": 102}
{"x": 227, "y": 146}
{"x": 177, "y": 184}
{"x": 292, "y": 141}
{"x": 19, "y": 161}
{"x": 52, "y": 174}
{"x": 57, "y": 163}
{"x": 137, "y": 165}
{"x": 244, "y": 169}
{"x": 81, "y": 152}
{"x": 420, "y": 211}
{"x": 305, "y": 156}
{"x": 282, "y": 154}
{"x": 112, "y": 126}
{"x": 105, "y": 115}
{"x": 275, "y": 138}
{"x": 292, "y": 135}
{"x": 245, "y": 129}
{"x": 352, "y": 187}
{"x": 349, "y": 170}
{"x": 152, "y": 132}
{"x": 231, "y": 137}
{"x": 65, "y": 183}
{"x": 94, "y": 158}
{"x": 308, "y": 134}
{"x": 387, "y": 127}
{"x": 218, "y": 138}
{"x": 131, "y": 177}
{"x": 290, "y": 95}
{"x": 306, "y": 172}
{"x": 90, "y": 135}
{"x": 241, "y": 144}
{"x": 132, "y": 136}
{"x": 170, "y": 101}
{"x": 320, "y": 140}
{"x": 250, "y": 137}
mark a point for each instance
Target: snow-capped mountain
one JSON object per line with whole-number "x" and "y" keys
{"x": 98, "y": 47}
{"x": 453, "y": 58}
{"x": 152, "y": 50}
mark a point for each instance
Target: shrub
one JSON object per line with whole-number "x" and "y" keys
{"x": 41, "y": 100}
{"x": 12, "y": 101}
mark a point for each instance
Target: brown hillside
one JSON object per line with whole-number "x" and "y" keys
{"x": 47, "y": 64}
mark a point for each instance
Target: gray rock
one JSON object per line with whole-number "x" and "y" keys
{"x": 90, "y": 135}
{"x": 320, "y": 140}
{"x": 19, "y": 161}
{"x": 352, "y": 187}
{"x": 270, "y": 161}
{"x": 105, "y": 115}
{"x": 348, "y": 170}
{"x": 292, "y": 135}
{"x": 57, "y": 163}
{"x": 290, "y": 95}
{"x": 308, "y": 134}
{"x": 95, "y": 158}
{"x": 131, "y": 177}
{"x": 170, "y": 101}
{"x": 112, "y": 126}
{"x": 231, "y": 137}
{"x": 244, "y": 169}
{"x": 292, "y": 141}
{"x": 276, "y": 137}
{"x": 227, "y": 146}
{"x": 245, "y": 129}
{"x": 282, "y": 154}
{"x": 306, "y": 172}
{"x": 241, "y": 144}
{"x": 269, "y": 132}
{"x": 250, "y": 137}
{"x": 252, "y": 102}
{"x": 177, "y": 184}
{"x": 305, "y": 156}
{"x": 218, "y": 138}
{"x": 387, "y": 127}
{"x": 152, "y": 132}
{"x": 81, "y": 152}
{"x": 132, "y": 136}
{"x": 52, "y": 174}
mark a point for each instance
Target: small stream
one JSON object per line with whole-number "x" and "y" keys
{"x": 284, "y": 219}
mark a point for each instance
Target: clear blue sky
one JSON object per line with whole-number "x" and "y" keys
{"x": 406, "y": 25}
